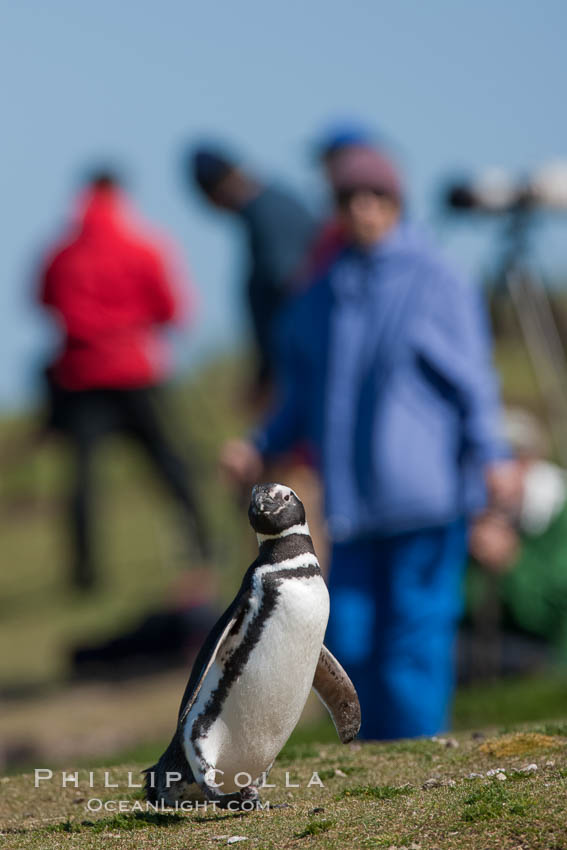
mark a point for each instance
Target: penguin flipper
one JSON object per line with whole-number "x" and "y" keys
{"x": 338, "y": 695}
{"x": 232, "y": 617}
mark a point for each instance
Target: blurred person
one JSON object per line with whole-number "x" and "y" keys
{"x": 278, "y": 229}
{"x": 109, "y": 288}
{"x": 341, "y": 137}
{"x": 338, "y": 138}
{"x": 519, "y": 567}
{"x": 386, "y": 371}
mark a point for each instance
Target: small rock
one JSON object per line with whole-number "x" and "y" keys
{"x": 339, "y": 772}
{"x": 529, "y": 768}
{"x": 475, "y": 776}
{"x": 438, "y": 782}
{"x": 235, "y": 838}
{"x": 501, "y": 776}
{"x": 446, "y": 742}
{"x": 495, "y": 771}
{"x": 550, "y": 763}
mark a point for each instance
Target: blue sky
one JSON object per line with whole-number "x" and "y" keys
{"x": 457, "y": 85}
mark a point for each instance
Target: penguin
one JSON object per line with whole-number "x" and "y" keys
{"x": 252, "y": 677}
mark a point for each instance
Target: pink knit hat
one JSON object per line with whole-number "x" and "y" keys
{"x": 365, "y": 168}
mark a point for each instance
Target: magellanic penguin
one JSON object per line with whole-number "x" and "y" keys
{"x": 253, "y": 675}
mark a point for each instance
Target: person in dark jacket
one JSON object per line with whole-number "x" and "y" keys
{"x": 386, "y": 371}
{"x": 278, "y": 228}
{"x": 108, "y": 285}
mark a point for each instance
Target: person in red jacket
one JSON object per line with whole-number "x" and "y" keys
{"x": 111, "y": 293}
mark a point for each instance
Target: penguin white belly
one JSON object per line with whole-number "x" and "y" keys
{"x": 264, "y": 704}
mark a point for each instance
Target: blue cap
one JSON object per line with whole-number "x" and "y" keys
{"x": 343, "y": 134}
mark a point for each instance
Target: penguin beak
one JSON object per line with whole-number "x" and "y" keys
{"x": 260, "y": 499}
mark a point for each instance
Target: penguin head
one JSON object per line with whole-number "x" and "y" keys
{"x": 274, "y": 508}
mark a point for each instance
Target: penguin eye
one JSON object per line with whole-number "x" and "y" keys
{"x": 286, "y": 498}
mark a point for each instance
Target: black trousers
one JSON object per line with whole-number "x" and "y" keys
{"x": 85, "y": 417}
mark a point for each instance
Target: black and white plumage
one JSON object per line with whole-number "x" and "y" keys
{"x": 253, "y": 675}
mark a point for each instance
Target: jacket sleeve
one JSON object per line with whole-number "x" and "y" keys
{"x": 285, "y": 424}
{"x": 163, "y": 300}
{"x": 453, "y": 342}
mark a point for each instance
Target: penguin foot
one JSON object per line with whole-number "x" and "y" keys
{"x": 239, "y": 801}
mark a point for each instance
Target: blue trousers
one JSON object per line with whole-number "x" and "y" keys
{"x": 395, "y": 605}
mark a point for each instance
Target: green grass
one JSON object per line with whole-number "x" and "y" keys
{"x": 495, "y": 801}
{"x": 384, "y": 801}
{"x": 375, "y": 792}
{"x": 553, "y": 728}
{"x": 316, "y": 827}
{"x": 120, "y": 822}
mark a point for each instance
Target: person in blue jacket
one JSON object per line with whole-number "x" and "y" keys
{"x": 386, "y": 370}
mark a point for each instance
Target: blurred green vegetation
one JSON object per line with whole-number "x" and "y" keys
{"x": 139, "y": 542}
{"x": 140, "y": 546}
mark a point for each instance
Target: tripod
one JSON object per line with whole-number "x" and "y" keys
{"x": 529, "y": 297}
